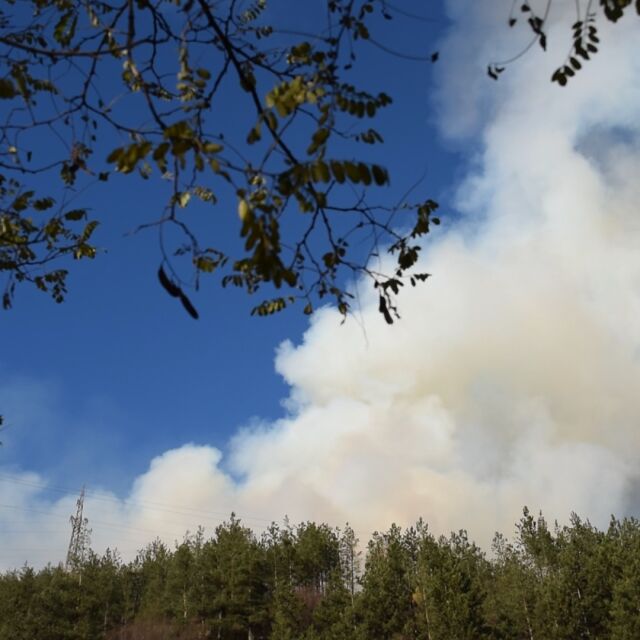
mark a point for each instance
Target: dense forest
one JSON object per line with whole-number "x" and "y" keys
{"x": 312, "y": 582}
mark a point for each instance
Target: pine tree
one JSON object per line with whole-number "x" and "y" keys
{"x": 334, "y": 617}
{"x": 350, "y": 560}
{"x": 287, "y": 612}
{"x": 101, "y": 606}
{"x": 625, "y": 606}
{"x": 585, "y": 581}
{"x": 449, "y": 592}
{"x": 386, "y": 607}
{"x": 317, "y": 555}
{"x": 239, "y": 572}
{"x": 152, "y": 565}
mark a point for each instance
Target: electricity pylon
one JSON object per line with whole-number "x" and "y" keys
{"x": 79, "y": 541}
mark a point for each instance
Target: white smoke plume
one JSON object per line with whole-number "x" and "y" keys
{"x": 513, "y": 376}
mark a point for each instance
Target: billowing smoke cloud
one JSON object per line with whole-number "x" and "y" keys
{"x": 513, "y": 376}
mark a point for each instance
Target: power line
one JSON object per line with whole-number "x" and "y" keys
{"x": 99, "y": 522}
{"x": 215, "y": 517}
{"x": 155, "y": 506}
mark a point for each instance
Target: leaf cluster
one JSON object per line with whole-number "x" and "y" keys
{"x": 584, "y": 42}
{"x": 139, "y": 100}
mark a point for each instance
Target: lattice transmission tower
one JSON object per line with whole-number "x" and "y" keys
{"x": 80, "y": 536}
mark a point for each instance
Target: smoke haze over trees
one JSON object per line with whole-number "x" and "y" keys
{"x": 312, "y": 582}
{"x": 513, "y": 378}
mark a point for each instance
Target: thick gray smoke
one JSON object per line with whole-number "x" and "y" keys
{"x": 513, "y": 376}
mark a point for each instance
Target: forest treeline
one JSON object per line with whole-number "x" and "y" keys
{"x": 311, "y": 582}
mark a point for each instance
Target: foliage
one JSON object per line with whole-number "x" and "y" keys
{"x": 213, "y": 103}
{"x": 584, "y": 33}
{"x": 294, "y": 582}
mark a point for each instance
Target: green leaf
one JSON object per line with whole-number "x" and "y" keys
{"x": 380, "y": 175}
{"x": 65, "y": 29}
{"x": 384, "y": 310}
{"x": 159, "y": 155}
{"x": 75, "y": 214}
{"x": 42, "y": 204}
{"x": 338, "y": 171}
{"x": 244, "y": 210}
{"x": 365, "y": 174}
{"x": 318, "y": 139}
{"x": 269, "y": 307}
{"x": 352, "y": 171}
{"x": 206, "y": 264}
{"x": 213, "y": 147}
{"x": 254, "y": 135}
{"x": 320, "y": 172}
{"x": 182, "y": 198}
{"x": 115, "y": 155}
{"x": 7, "y": 89}
{"x": 22, "y": 201}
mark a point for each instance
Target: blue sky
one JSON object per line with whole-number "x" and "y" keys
{"x": 510, "y": 380}
{"x": 128, "y": 374}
